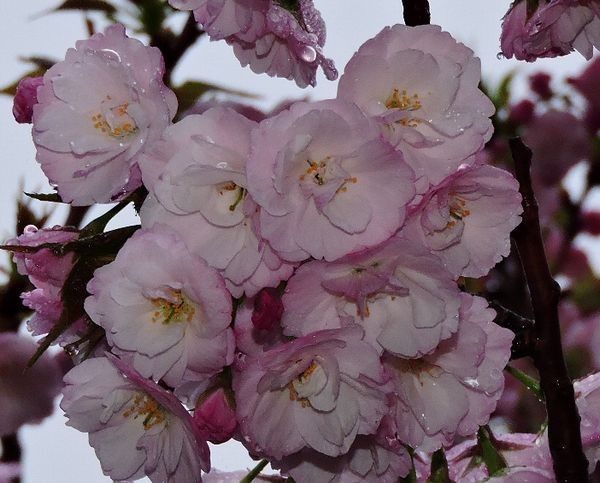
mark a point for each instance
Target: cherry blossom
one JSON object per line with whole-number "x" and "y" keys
{"x": 318, "y": 391}
{"x": 556, "y": 27}
{"x": 168, "y": 316}
{"x": 97, "y": 111}
{"x": 26, "y": 98}
{"x": 267, "y": 36}
{"x": 466, "y": 220}
{"x": 327, "y": 184}
{"x": 48, "y": 272}
{"x": 423, "y": 86}
{"x": 136, "y": 427}
{"x": 399, "y": 293}
{"x": 197, "y": 179}
{"x": 455, "y": 389}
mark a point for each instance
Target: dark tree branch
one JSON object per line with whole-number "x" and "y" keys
{"x": 76, "y": 215}
{"x": 564, "y": 435}
{"x": 174, "y": 46}
{"x": 11, "y": 452}
{"x": 416, "y": 12}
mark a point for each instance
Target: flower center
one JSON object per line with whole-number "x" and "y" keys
{"x": 115, "y": 121}
{"x": 301, "y": 380}
{"x": 404, "y": 102}
{"x": 144, "y": 405}
{"x": 228, "y": 188}
{"x": 320, "y": 173}
{"x": 458, "y": 210}
{"x": 178, "y": 308}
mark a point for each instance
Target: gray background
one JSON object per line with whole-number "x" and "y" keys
{"x": 53, "y": 452}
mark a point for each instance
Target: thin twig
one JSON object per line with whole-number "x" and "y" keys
{"x": 564, "y": 435}
{"x": 522, "y": 345}
{"x": 416, "y": 12}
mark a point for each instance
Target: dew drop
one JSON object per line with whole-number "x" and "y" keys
{"x": 308, "y": 54}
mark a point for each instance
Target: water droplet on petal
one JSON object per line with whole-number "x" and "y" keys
{"x": 308, "y": 54}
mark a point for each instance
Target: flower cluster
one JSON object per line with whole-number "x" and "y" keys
{"x": 335, "y": 234}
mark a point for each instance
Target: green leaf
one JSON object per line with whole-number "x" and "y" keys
{"x": 43, "y": 63}
{"x": 439, "y": 468}
{"x": 502, "y": 94}
{"x": 529, "y": 382}
{"x": 189, "y": 92}
{"x": 152, "y": 14}
{"x": 99, "y": 224}
{"x": 11, "y": 89}
{"x": 87, "y": 5}
{"x": 53, "y": 197}
{"x": 492, "y": 458}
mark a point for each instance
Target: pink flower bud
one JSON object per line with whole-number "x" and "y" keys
{"x": 522, "y": 112}
{"x": 26, "y": 98}
{"x": 540, "y": 84}
{"x": 268, "y": 309}
{"x": 215, "y": 417}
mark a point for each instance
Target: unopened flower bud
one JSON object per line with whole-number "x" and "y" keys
{"x": 540, "y": 84}
{"x": 268, "y": 309}
{"x": 214, "y": 416}
{"x": 522, "y": 112}
{"x": 26, "y": 98}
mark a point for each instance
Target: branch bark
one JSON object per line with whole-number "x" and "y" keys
{"x": 416, "y": 12}
{"x": 11, "y": 452}
{"x": 564, "y": 435}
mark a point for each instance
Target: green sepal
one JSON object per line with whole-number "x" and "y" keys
{"x": 529, "y": 382}
{"x": 439, "y": 468}
{"x": 189, "y": 92}
{"x": 492, "y": 458}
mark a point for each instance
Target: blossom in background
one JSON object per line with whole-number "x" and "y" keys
{"x": 453, "y": 390}
{"x": 467, "y": 219}
{"x": 97, "y": 111}
{"x": 318, "y": 391}
{"x": 554, "y": 28}
{"x": 26, "y": 394}
{"x": 423, "y": 86}
{"x": 168, "y": 317}
{"x": 326, "y": 183}
{"x": 267, "y": 36}
{"x": 48, "y": 273}
{"x": 136, "y": 427}
{"x": 197, "y": 181}
{"x": 399, "y": 293}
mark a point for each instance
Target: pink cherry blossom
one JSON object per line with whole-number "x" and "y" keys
{"x": 556, "y": 27}
{"x": 136, "y": 427}
{"x": 452, "y": 391}
{"x": 97, "y": 111}
{"x": 466, "y": 220}
{"x": 217, "y": 476}
{"x": 26, "y": 98}
{"x": 318, "y": 391}
{"x": 327, "y": 184}
{"x": 423, "y": 86}
{"x": 168, "y": 316}
{"x": 47, "y": 272}
{"x": 215, "y": 416}
{"x": 399, "y": 293}
{"x": 266, "y": 36}
{"x": 26, "y": 394}
{"x": 197, "y": 180}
